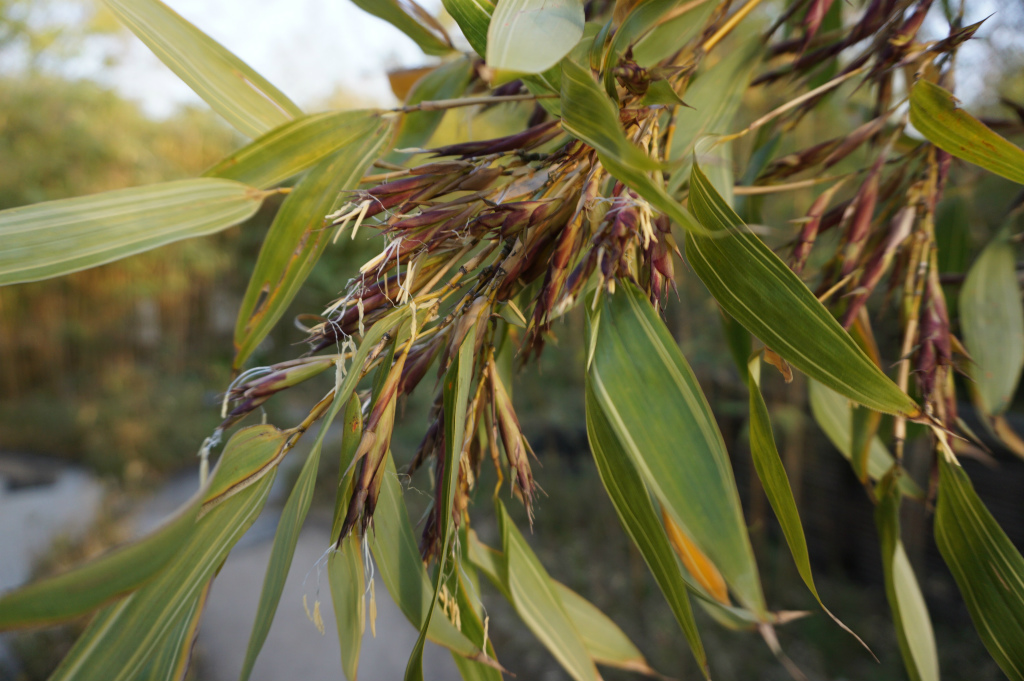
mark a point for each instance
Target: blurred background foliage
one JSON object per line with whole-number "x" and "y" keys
{"x": 119, "y": 368}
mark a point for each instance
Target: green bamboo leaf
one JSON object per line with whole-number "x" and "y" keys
{"x": 632, "y": 502}
{"x": 398, "y": 562}
{"x": 447, "y": 81}
{"x": 832, "y": 412}
{"x": 474, "y": 18}
{"x": 986, "y": 566}
{"x": 757, "y": 289}
{"x": 243, "y": 97}
{"x": 250, "y": 454}
{"x": 118, "y": 645}
{"x": 603, "y": 639}
{"x": 455, "y": 393}
{"x": 531, "y": 36}
{"x": 590, "y": 116}
{"x": 992, "y": 320}
{"x": 54, "y": 238}
{"x": 934, "y": 112}
{"x": 283, "y": 550}
{"x": 345, "y": 565}
{"x": 909, "y": 612}
{"x": 605, "y": 642}
{"x": 536, "y": 600}
{"x": 772, "y": 474}
{"x": 653, "y": 402}
{"x": 411, "y": 19}
{"x": 291, "y": 148}
{"x": 714, "y": 99}
{"x": 86, "y": 588}
{"x": 298, "y": 237}
{"x": 171, "y": 661}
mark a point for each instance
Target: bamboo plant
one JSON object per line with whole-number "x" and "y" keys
{"x": 626, "y": 161}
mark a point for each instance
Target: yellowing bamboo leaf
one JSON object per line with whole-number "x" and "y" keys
{"x": 660, "y": 418}
{"x": 992, "y": 319}
{"x": 987, "y": 567}
{"x": 758, "y": 290}
{"x": 531, "y": 36}
{"x": 696, "y": 563}
{"x": 590, "y": 116}
{"x": 909, "y": 612}
{"x": 538, "y": 603}
{"x": 243, "y": 97}
{"x": 934, "y": 112}
{"x": 411, "y": 19}
{"x": 291, "y": 148}
{"x": 297, "y": 238}
{"x": 474, "y": 18}
{"x": 831, "y": 411}
{"x": 54, "y": 238}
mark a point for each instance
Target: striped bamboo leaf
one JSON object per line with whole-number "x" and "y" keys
{"x": 531, "y": 36}
{"x": 55, "y": 238}
{"x": 243, "y": 97}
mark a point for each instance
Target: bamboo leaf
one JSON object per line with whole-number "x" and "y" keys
{"x": 297, "y": 238}
{"x": 909, "y": 612}
{"x": 54, "y": 238}
{"x": 250, "y": 454}
{"x": 987, "y": 567}
{"x": 171, "y": 661}
{"x": 243, "y": 97}
{"x": 117, "y": 645}
{"x": 590, "y": 116}
{"x": 345, "y": 565}
{"x": 659, "y": 416}
{"x": 283, "y": 550}
{"x": 84, "y": 589}
{"x": 474, "y": 18}
{"x": 447, "y": 81}
{"x": 772, "y": 474}
{"x": 291, "y": 148}
{"x": 411, "y": 19}
{"x": 398, "y": 562}
{"x": 934, "y": 112}
{"x": 603, "y": 639}
{"x": 538, "y": 603}
{"x": 832, "y": 412}
{"x": 992, "y": 319}
{"x": 714, "y": 99}
{"x": 759, "y": 291}
{"x": 605, "y": 642}
{"x": 531, "y": 36}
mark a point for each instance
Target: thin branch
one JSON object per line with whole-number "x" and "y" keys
{"x": 441, "y": 104}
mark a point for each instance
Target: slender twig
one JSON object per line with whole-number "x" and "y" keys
{"x": 441, "y": 104}
{"x": 748, "y": 190}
